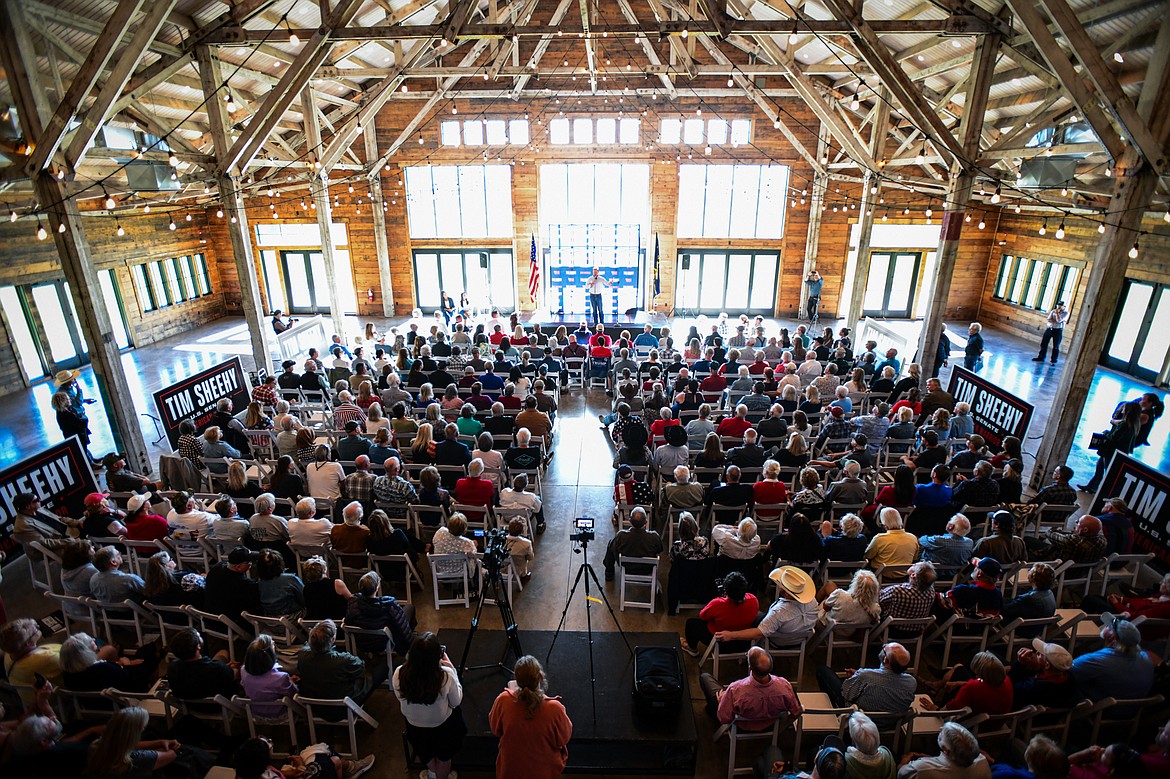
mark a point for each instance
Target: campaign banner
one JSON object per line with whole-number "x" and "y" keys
{"x": 195, "y": 397}
{"x": 995, "y": 412}
{"x": 60, "y": 475}
{"x": 1144, "y": 490}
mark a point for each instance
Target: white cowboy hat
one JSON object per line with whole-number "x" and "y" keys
{"x": 64, "y": 377}
{"x": 795, "y": 582}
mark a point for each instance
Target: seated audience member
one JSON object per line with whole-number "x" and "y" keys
{"x": 324, "y": 672}
{"x": 1041, "y": 675}
{"x": 959, "y": 758}
{"x": 285, "y": 482}
{"x": 1131, "y": 606}
{"x": 1003, "y": 545}
{"x": 681, "y": 493}
{"x": 850, "y": 489}
{"x": 228, "y": 589}
{"x": 631, "y": 490}
{"x": 1116, "y": 761}
{"x": 932, "y": 501}
{"x": 111, "y": 584}
{"x": 451, "y": 451}
{"x": 192, "y": 676}
{"x": 86, "y": 668}
{"x": 324, "y": 597}
{"x": 983, "y": 686}
{"x": 858, "y": 605}
{"x": 325, "y": 479}
{"x": 755, "y": 702}
{"x": 1060, "y": 492}
{"x": 119, "y": 478}
{"x": 730, "y": 493}
{"x": 893, "y": 546}
{"x": 263, "y": 680}
{"x": 522, "y": 455}
{"x": 187, "y": 520}
{"x": 1117, "y": 526}
{"x": 475, "y": 490}
{"x": 281, "y": 594}
{"x": 168, "y": 586}
{"x": 1157, "y": 755}
{"x": 1120, "y": 669}
{"x": 634, "y": 541}
{"x": 975, "y": 452}
{"x": 24, "y": 658}
{"x": 810, "y": 498}
{"x": 979, "y": 490}
{"x": 1084, "y": 544}
{"x": 670, "y": 454}
{"x": 735, "y": 609}
{"x": 120, "y": 751}
{"x": 912, "y": 599}
{"x": 101, "y": 519}
{"x": 350, "y": 536}
{"x": 770, "y": 490}
{"x": 369, "y": 609}
{"x": 1011, "y": 486}
{"x": 520, "y": 549}
{"x": 738, "y": 542}
{"x": 1037, "y": 602}
{"x": 391, "y": 491}
{"x": 141, "y": 523}
{"x": 885, "y": 688}
{"x": 518, "y": 497}
{"x": 865, "y": 757}
{"x": 305, "y": 529}
{"x": 689, "y": 545}
{"x": 931, "y": 454}
{"x": 951, "y": 550}
{"x": 452, "y": 540}
{"x": 354, "y": 443}
{"x": 790, "y": 619}
{"x": 773, "y": 427}
{"x": 982, "y": 596}
{"x": 849, "y": 544}
{"x": 735, "y": 426}
{"x": 485, "y": 449}
{"x": 798, "y": 543}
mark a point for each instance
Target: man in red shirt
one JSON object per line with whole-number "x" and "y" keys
{"x": 599, "y": 338}
{"x": 474, "y": 490}
{"x": 735, "y": 426}
{"x": 497, "y": 335}
{"x": 759, "y": 365}
{"x": 735, "y": 609}
{"x": 265, "y": 394}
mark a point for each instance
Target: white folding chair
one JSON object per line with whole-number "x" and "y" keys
{"x": 644, "y": 573}
{"x": 450, "y": 570}
{"x": 222, "y": 627}
{"x": 262, "y": 722}
{"x": 819, "y": 717}
{"x": 737, "y": 735}
{"x": 334, "y": 713}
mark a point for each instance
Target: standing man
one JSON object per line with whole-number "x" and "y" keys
{"x": 596, "y": 286}
{"x": 973, "y": 353}
{"x": 814, "y": 282}
{"x": 1055, "y": 330}
{"x": 944, "y": 352}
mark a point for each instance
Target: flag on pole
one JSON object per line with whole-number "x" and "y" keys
{"x": 533, "y": 272}
{"x": 657, "y": 272}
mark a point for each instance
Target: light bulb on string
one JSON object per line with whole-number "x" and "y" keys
{"x": 1166, "y": 217}
{"x": 219, "y": 212}
{"x": 1017, "y": 208}
{"x": 1133, "y": 253}
{"x": 793, "y": 38}
{"x": 995, "y": 197}
{"x": 121, "y": 230}
{"x": 1044, "y": 227}
{"x": 188, "y": 216}
{"x": 233, "y": 218}
{"x": 172, "y": 225}
{"x": 12, "y": 216}
{"x": 1060, "y": 231}
{"x": 110, "y": 204}
{"x": 41, "y": 234}
{"x": 685, "y": 33}
{"x": 1064, "y": 191}
{"x": 855, "y": 103}
{"x": 929, "y": 211}
{"x": 1101, "y": 228}
{"x": 61, "y": 227}
{"x": 146, "y": 208}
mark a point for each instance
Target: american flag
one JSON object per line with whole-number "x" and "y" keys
{"x": 533, "y": 272}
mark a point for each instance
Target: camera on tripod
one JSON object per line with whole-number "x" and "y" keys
{"x": 495, "y": 549}
{"x": 585, "y": 530}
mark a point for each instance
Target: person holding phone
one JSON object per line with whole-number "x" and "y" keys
{"x": 596, "y": 285}
{"x": 427, "y": 686}
{"x": 814, "y": 282}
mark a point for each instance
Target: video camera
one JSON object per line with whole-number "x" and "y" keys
{"x": 585, "y": 530}
{"x": 495, "y": 549}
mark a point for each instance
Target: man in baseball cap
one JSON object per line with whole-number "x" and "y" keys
{"x": 1120, "y": 669}
{"x": 791, "y": 618}
{"x": 982, "y": 596}
{"x": 1041, "y": 673}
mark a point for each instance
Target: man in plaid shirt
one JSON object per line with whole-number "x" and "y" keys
{"x": 1085, "y": 544}
{"x": 912, "y": 599}
{"x": 392, "y": 492}
{"x": 1059, "y": 493}
{"x": 265, "y": 394}
{"x": 836, "y": 428}
{"x": 346, "y": 411}
{"x": 359, "y": 485}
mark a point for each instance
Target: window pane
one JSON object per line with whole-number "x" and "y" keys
{"x": 498, "y": 179}
{"x": 670, "y": 133}
{"x": 471, "y": 201}
{"x": 503, "y": 282}
{"x": 558, "y": 132}
{"x": 1153, "y": 352}
{"x": 711, "y": 289}
{"x": 608, "y": 195}
{"x": 717, "y": 132}
{"x": 497, "y": 134}
{"x": 739, "y": 274}
{"x": 607, "y": 131}
{"x": 426, "y": 275}
{"x": 582, "y": 131}
{"x": 272, "y": 283}
{"x": 581, "y": 193}
{"x": 717, "y": 213}
{"x": 188, "y": 272}
{"x": 1018, "y": 283}
{"x": 741, "y": 132}
{"x": 636, "y": 194}
{"x": 745, "y": 195}
{"x": 110, "y": 296}
{"x": 420, "y": 205}
{"x": 346, "y": 291}
{"x": 902, "y": 284}
{"x": 554, "y": 192}
{"x": 764, "y": 282}
{"x": 142, "y": 289}
{"x": 202, "y": 277}
{"x": 173, "y": 282}
{"x": 60, "y": 340}
{"x": 298, "y": 281}
{"x": 875, "y": 286}
{"x": 630, "y": 130}
{"x": 693, "y": 132}
{"x": 773, "y": 199}
{"x": 449, "y": 133}
{"x": 477, "y": 277}
{"x": 156, "y": 285}
{"x": 1069, "y": 288}
{"x": 473, "y": 132}
{"x": 1129, "y": 323}
{"x": 1035, "y": 278}
{"x": 518, "y": 132}
{"x": 446, "y": 200}
{"x": 320, "y": 283}
{"x": 21, "y": 333}
{"x": 692, "y": 185}
{"x": 1005, "y": 274}
{"x": 451, "y": 273}
{"x": 687, "y": 294}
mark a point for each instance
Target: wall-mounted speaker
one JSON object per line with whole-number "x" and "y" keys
{"x": 686, "y": 262}
{"x": 483, "y": 260}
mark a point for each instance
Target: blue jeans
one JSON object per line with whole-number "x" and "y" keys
{"x": 596, "y": 305}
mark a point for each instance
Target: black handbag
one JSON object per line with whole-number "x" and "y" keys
{"x": 1097, "y": 440}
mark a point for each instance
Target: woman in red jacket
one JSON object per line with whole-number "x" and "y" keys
{"x": 735, "y": 609}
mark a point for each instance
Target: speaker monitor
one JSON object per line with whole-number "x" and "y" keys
{"x": 483, "y": 260}
{"x": 686, "y": 262}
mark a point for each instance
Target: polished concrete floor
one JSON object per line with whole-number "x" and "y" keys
{"x": 578, "y": 484}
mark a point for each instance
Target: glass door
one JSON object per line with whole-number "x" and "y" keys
{"x": 304, "y": 282}
{"x": 716, "y": 281}
{"x": 1135, "y": 346}
{"x": 61, "y": 330}
{"x": 893, "y": 278}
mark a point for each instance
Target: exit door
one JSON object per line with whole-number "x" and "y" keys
{"x": 306, "y": 289}
{"x": 893, "y": 280}
{"x": 63, "y": 344}
{"x": 1135, "y": 346}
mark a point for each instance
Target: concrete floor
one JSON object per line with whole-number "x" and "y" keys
{"x": 578, "y": 484}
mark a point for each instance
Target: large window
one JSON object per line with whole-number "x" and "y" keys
{"x": 1139, "y": 343}
{"x": 713, "y": 281}
{"x": 459, "y": 201}
{"x": 295, "y": 280}
{"x": 583, "y": 131}
{"x": 731, "y": 201}
{"x": 696, "y": 132}
{"x": 607, "y": 193}
{"x": 1035, "y": 284}
{"x": 161, "y": 283}
{"x": 113, "y": 300}
{"x": 486, "y": 275}
{"x": 481, "y": 132}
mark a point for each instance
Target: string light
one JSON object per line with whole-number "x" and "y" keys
{"x": 929, "y": 211}
{"x": 219, "y": 212}
{"x": 995, "y": 198}
{"x": 1166, "y": 217}
{"x": 1117, "y": 57}
{"x": 12, "y": 216}
{"x": 1101, "y": 228}
{"x": 110, "y": 204}
{"x": 685, "y": 33}
{"x": 793, "y": 39}
{"x": 146, "y": 208}
{"x": 41, "y": 234}
{"x": 61, "y": 227}
{"x": 172, "y": 225}
{"x": 121, "y": 230}
{"x": 1044, "y": 227}
{"x": 1133, "y": 253}
{"x": 1060, "y": 231}
{"x": 292, "y": 36}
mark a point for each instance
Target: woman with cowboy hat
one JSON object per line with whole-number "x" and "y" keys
{"x": 791, "y": 618}
{"x": 69, "y": 403}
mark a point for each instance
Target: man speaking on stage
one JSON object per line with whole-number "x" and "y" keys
{"x": 596, "y": 286}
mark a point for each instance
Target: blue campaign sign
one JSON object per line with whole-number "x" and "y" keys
{"x": 996, "y": 412}
{"x": 1144, "y": 490}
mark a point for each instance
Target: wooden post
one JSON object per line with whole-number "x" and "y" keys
{"x": 1135, "y": 186}
{"x": 381, "y": 244}
{"x": 877, "y": 142}
{"x": 319, "y": 190}
{"x": 211, "y": 79}
{"x": 820, "y": 186}
{"x": 958, "y": 197}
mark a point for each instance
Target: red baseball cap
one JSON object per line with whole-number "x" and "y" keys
{"x": 95, "y": 498}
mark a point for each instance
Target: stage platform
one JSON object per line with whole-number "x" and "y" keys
{"x": 617, "y": 741}
{"x": 549, "y": 321}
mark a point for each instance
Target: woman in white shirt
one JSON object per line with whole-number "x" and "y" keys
{"x": 429, "y": 691}
{"x": 306, "y": 529}
{"x": 324, "y": 478}
{"x": 486, "y": 451}
{"x": 856, "y": 606}
{"x": 374, "y": 419}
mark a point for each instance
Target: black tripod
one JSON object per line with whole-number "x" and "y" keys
{"x": 585, "y": 573}
{"x": 493, "y": 579}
